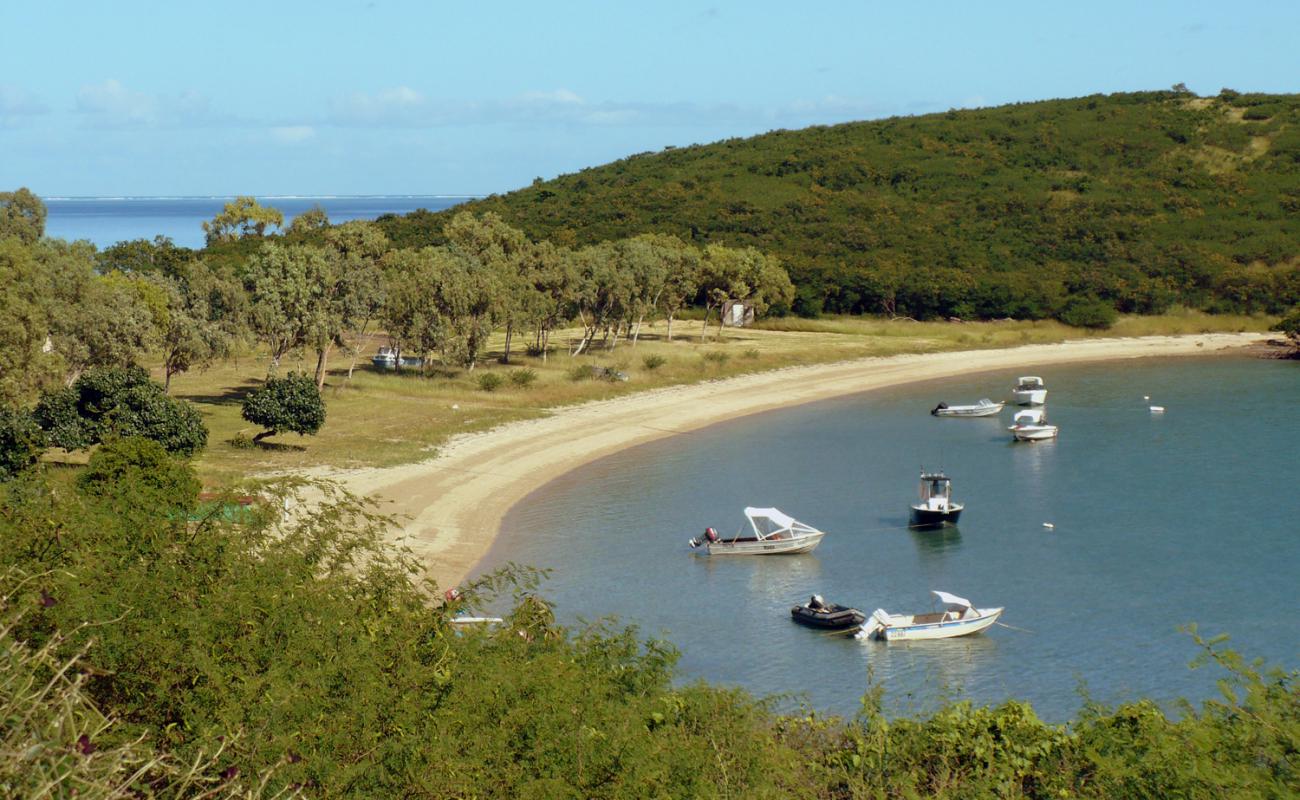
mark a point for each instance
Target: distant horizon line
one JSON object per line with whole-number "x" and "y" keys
{"x": 78, "y": 198}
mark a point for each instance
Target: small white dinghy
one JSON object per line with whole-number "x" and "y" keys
{"x": 959, "y": 618}
{"x": 984, "y": 408}
{"x": 1031, "y": 425}
{"x": 1029, "y": 391}
{"x": 775, "y": 533}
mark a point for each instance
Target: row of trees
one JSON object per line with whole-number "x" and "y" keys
{"x": 320, "y": 288}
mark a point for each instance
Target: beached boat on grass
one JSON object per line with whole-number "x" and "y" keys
{"x": 1031, "y": 425}
{"x": 774, "y": 533}
{"x": 959, "y": 618}
{"x": 1029, "y": 391}
{"x": 984, "y": 408}
{"x": 817, "y": 613}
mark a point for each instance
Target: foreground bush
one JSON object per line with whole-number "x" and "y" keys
{"x": 55, "y": 742}
{"x": 295, "y": 644}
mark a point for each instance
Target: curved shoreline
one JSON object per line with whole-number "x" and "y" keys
{"x": 455, "y": 502}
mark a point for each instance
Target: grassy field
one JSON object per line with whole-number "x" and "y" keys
{"x": 385, "y": 418}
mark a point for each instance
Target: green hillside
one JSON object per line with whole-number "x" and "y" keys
{"x": 1142, "y": 200}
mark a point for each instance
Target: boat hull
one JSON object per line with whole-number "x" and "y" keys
{"x": 764, "y": 547}
{"x": 1034, "y": 433}
{"x": 1029, "y": 397}
{"x": 969, "y": 411}
{"x": 923, "y": 517}
{"x": 947, "y": 629}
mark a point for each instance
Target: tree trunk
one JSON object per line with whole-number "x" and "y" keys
{"x": 322, "y": 360}
{"x": 259, "y": 437}
{"x": 637, "y": 334}
{"x": 705, "y": 329}
{"x": 505, "y": 359}
{"x": 670, "y": 326}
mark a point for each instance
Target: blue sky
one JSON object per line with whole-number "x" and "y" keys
{"x": 389, "y": 97}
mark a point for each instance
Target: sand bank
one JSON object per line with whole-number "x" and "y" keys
{"x": 453, "y": 504}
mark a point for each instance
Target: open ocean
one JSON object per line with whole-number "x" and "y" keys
{"x": 1160, "y": 520}
{"x": 104, "y": 221}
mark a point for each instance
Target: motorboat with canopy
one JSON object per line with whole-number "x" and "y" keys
{"x": 959, "y": 618}
{"x": 1030, "y": 425}
{"x": 774, "y": 533}
{"x": 984, "y": 408}
{"x": 1030, "y": 391}
{"x": 936, "y": 508}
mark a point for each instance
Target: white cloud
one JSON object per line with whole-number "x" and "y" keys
{"x": 293, "y": 134}
{"x": 404, "y": 107}
{"x": 110, "y": 104}
{"x": 397, "y": 106}
{"x": 16, "y": 104}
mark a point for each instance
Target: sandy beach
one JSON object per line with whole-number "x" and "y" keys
{"x": 453, "y": 504}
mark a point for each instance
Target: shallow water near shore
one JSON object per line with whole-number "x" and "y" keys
{"x": 1160, "y": 520}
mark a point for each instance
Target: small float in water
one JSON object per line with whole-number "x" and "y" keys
{"x": 959, "y": 618}
{"x": 774, "y": 533}
{"x": 817, "y": 613}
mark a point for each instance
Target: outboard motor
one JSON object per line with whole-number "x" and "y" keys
{"x": 710, "y": 535}
{"x": 874, "y": 627}
{"x": 935, "y": 410}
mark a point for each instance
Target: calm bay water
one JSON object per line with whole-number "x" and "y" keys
{"x": 1160, "y": 520}
{"x": 108, "y": 220}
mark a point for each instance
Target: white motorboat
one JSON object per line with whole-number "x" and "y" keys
{"x": 959, "y": 618}
{"x": 774, "y": 533}
{"x": 389, "y": 358}
{"x": 936, "y": 508}
{"x": 1029, "y": 391}
{"x": 984, "y": 408}
{"x": 1031, "y": 425}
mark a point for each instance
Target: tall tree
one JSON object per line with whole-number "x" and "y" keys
{"x": 601, "y": 292}
{"x": 159, "y": 256}
{"x": 22, "y": 214}
{"x": 241, "y": 217}
{"x": 506, "y": 253}
{"x": 408, "y": 315}
{"x": 192, "y": 330}
{"x": 682, "y": 278}
{"x": 352, "y": 292}
{"x": 286, "y": 295}
{"x": 466, "y": 294}
{"x": 28, "y": 362}
{"x": 310, "y": 221}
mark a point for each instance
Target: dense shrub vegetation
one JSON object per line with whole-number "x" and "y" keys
{"x": 288, "y": 404}
{"x": 298, "y": 648}
{"x": 1142, "y": 200}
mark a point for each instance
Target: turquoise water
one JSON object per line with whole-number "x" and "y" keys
{"x": 1160, "y": 520}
